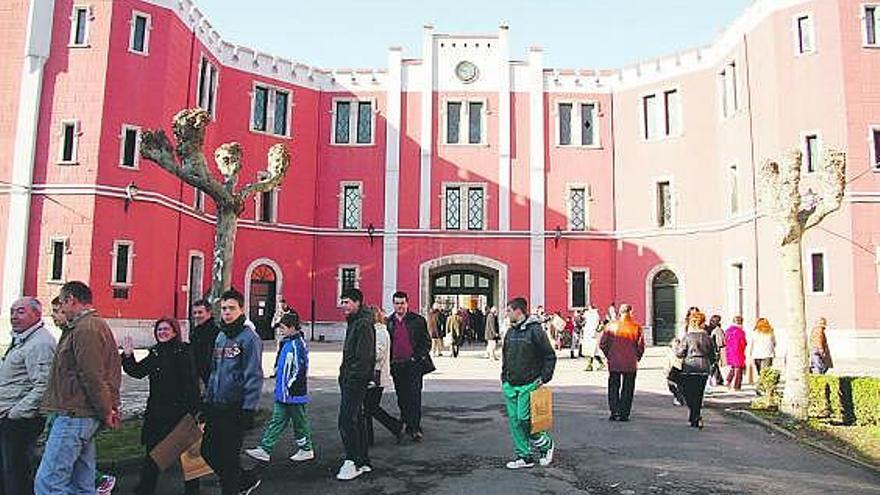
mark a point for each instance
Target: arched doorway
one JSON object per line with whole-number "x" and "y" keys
{"x": 463, "y": 286}
{"x": 263, "y": 286}
{"x": 471, "y": 276}
{"x": 664, "y": 303}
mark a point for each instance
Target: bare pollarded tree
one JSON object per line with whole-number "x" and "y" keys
{"x": 187, "y": 161}
{"x": 796, "y": 212}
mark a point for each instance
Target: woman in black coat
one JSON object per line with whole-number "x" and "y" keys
{"x": 174, "y": 392}
{"x": 697, "y": 352}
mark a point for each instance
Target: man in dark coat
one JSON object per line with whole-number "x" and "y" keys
{"x": 410, "y": 360}
{"x": 202, "y": 337}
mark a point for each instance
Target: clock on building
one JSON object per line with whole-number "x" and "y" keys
{"x": 466, "y": 71}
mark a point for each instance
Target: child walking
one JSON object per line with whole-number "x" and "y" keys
{"x": 291, "y": 394}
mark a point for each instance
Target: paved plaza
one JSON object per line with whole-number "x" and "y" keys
{"x": 467, "y": 443}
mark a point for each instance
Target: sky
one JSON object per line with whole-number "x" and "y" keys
{"x": 592, "y": 34}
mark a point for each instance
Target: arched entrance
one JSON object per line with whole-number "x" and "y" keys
{"x": 263, "y": 288}
{"x": 463, "y": 280}
{"x": 664, "y": 303}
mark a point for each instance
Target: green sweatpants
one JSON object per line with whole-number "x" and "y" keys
{"x": 519, "y": 412}
{"x": 282, "y": 415}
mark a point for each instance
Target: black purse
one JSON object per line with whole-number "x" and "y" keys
{"x": 426, "y": 364}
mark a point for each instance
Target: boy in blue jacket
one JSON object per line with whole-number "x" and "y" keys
{"x": 291, "y": 394}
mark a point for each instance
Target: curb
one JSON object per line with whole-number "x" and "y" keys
{"x": 754, "y": 418}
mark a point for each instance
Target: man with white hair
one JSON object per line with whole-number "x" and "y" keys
{"x": 24, "y": 375}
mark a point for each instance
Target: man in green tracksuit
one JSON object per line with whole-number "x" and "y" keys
{"x": 528, "y": 362}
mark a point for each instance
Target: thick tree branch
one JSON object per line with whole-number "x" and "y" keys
{"x": 278, "y": 163}
{"x": 832, "y": 184}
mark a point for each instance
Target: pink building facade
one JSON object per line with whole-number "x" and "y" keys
{"x": 466, "y": 174}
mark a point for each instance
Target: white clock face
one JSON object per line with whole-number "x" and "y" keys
{"x": 467, "y": 71}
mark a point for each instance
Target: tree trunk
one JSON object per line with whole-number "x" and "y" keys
{"x": 795, "y": 399}
{"x": 224, "y": 247}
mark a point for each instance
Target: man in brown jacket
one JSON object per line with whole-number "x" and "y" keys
{"x": 83, "y": 393}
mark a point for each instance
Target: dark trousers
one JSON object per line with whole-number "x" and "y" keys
{"x": 221, "y": 447}
{"x": 673, "y": 382}
{"x": 150, "y": 477}
{"x": 763, "y": 363}
{"x": 18, "y": 438}
{"x": 373, "y": 409}
{"x": 351, "y": 424}
{"x": 408, "y": 386}
{"x": 621, "y": 387}
{"x": 694, "y": 387}
{"x": 735, "y": 378}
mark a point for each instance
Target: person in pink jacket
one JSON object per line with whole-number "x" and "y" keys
{"x": 735, "y": 347}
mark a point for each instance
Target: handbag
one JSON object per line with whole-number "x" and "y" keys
{"x": 426, "y": 364}
{"x": 182, "y": 437}
{"x": 541, "y": 408}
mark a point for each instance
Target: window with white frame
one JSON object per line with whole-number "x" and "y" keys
{"x": 465, "y": 119}
{"x": 871, "y": 22}
{"x": 578, "y": 288}
{"x": 80, "y": 18}
{"x": 266, "y": 203}
{"x": 130, "y": 140}
{"x": 818, "y": 273}
{"x": 198, "y": 199}
{"x": 69, "y": 146}
{"x": 577, "y": 124}
{"x": 347, "y": 277}
{"x": 737, "y": 289}
{"x": 877, "y": 265}
{"x": 874, "y": 147}
{"x": 59, "y": 247}
{"x": 195, "y": 277}
{"x": 206, "y": 96}
{"x": 664, "y": 203}
{"x": 139, "y": 41}
{"x": 464, "y": 206}
{"x": 578, "y": 213}
{"x": 123, "y": 257}
{"x": 350, "y": 205}
{"x": 352, "y": 122}
{"x": 812, "y": 153}
{"x": 661, "y": 115}
{"x": 271, "y": 110}
{"x": 733, "y": 189}
{"x": 728, "y": 86}
{"x": 805, "y": 34}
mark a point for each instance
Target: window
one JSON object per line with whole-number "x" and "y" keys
{"x": 877, "y": 264}
{"x": 196, "y": 274}
{"x": 351, "y": 205}
{"x": 474, "y": 119}
{"x": 727, "y": 85}
{"x": 872, "y": 22}
{"x": 874, "y": 144}
{"x": 661, "y": 119}
{"x": 812, "y": 153}
{"x": 130, "y": 143}
{"x": 58, "y": 249}
{"x": 818, "y": 281}
{"x": 69, "y": 142}
{"x": 348, "y": 277}
{"x": 465, "y": 206}
{"x": 356, "y": 115}
{"x": 737, "y": 289}
{"x": 139, "y": 42}
{"x": 664, "y": 204}
{"x": 806, "y": 37}
{"x": 577, "y": 124}
{"x": 650, "y": 110}
{"x": 122, "y": 263}
{"x": 266, "y": 203}
{"x": 733, "y": 188}
{"x": 198, "y": 199}
{"x": 207, "y": 88}
{"x": 79, "y": 25}
{"x": 577, "y": 208}
{"x": 271, "y": 110}
{"x": 579, "y": 288}
{"x": 672, "y": 107}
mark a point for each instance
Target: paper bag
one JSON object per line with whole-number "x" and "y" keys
{"x": 192, "y": 463}
{"x": 541, "y": 402}
{"x": 181, "y": 438}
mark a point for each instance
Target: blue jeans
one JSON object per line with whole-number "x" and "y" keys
{"x": 68, "y": 464}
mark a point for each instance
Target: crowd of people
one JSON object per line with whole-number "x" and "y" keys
{"x": 71, "y": 388}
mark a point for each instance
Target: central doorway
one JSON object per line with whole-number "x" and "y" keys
{"x": 664, "y": 295}
{"x": 463, "y": 288}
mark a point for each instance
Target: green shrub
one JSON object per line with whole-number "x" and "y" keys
{"x": 845, "y": 399}
{"x": 768, "y": 386}
{"x": 866, "y": 400}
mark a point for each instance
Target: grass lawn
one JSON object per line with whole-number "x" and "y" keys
{"x": 861, "y": 442}
{"x": 120, "y": 446}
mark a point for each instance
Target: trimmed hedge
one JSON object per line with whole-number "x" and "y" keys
{"x": 845, "y": 399}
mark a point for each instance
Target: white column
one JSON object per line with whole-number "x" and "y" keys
{"x": 503, "y": 130}
{"x": 37, "y": 41}
{"x": 392, "y": 174}
{"x": 536, "y": 176}
{"x": 427, "y": 128}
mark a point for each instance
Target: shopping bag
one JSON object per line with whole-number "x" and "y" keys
{"x": 181, "y": 438}
{"x": 192, "y": 463}
{"x": 541, "y": 402}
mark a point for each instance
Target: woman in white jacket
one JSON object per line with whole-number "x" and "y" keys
{"x": 382, "y": 374}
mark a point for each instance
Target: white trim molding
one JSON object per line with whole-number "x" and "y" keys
{"x": 148, "y": 26}
{"x": 504, "y": 129}
{"x": 680, "y": 299}
{"x": 343, "y": 185}
{"x": 129, "y": 275}
{"x": 136, "y": 158}
{"x": 354, "y": 112}
{"x": 461, "y": 259}
{"x": 393, "y": 121}
{"x": 536, "y": 178}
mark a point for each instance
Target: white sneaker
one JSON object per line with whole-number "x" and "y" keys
{"x": 258, "y": 453}
{"x": 520, "y": 463}
{"x": 366, "y": 468}
{"x": 547, "y": 458}
{"x": 348, "y": 471}
{"x": 303, "y": 455}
